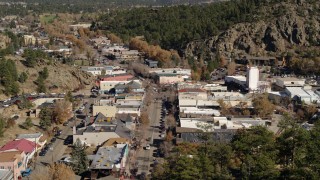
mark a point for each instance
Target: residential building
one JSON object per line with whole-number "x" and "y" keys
{"x": 302, "y": 95}
{"x": 28, "y": 147}
{"x": 75, "y": 27}
{"x": 6, "y": 174}
{"x": 100, "y": 132}
{"x": 151, "y": 63}
{"x": 107, "y": 110}
{"x": 128, "y": 107}
{"x": 100, "y": 41}
{"x": 290, "y": 82}
{"x": 169, "y": 78}
{"x": 186, "y": 73}
{"x": 108, "y": 70}
{"x": 134, "y": 86}
{"x": 257, "y": 61}
{"x": 110, "y": 158}
{"x": 14, "y": 161}
{"x": 35, "y": 137}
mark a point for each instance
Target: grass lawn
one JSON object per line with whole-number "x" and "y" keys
{"x": 47, "y": 18}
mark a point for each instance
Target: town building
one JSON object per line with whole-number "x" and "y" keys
{"x": 28, "y": 147}
{"x": 151, "y": 63}
{"x": 14, "y": 161}
{"x": 110, "y": 158}
{"x": 290, "y": 82}
{"x": 6, "y": 174}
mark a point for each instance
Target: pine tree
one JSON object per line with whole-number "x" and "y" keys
{"x": 79, "y": 158}
{"x": 45, "y": 118}
{"x": 2, "y": 126}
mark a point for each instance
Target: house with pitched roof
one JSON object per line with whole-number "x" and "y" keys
{"x": 28, "y": 147}
{"x": 14, "y": 161}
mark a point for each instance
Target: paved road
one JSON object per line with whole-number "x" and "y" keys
{"x": 58, "y": 148}
{"x": 145, "y": 157}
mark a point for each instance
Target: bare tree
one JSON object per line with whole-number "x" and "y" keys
{"x": 57, "y": 171}
{"x": 62, "y": 111}
{"x": 231, "y": 68}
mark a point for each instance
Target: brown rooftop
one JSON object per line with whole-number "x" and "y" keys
{"x": 9, "y": 156}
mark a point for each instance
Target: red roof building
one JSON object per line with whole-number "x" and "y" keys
{"x": 20, "y": 145}
{"x": 123, "y": 77}
{"x": 191, "y": 90}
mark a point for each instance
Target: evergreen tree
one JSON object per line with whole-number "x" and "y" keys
{"x": 28, "y": 123}
{"x": 2, "y": 125}
{"x": 23, "y": 77}
{"x": 80, "y": 162}
{"x": 45, "y": 118}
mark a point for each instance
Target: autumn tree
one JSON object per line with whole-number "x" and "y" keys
{"x": 170, "y": 121}
{"x": 224, "y": 107}
{"x": 262, "y": 106}
{"x": 62, "y": 111}
{"x": 144, "y": 118}
{"x": 231, "y": 68}
{"x": 56, "y": 171}
{"x": 114, "y": 38}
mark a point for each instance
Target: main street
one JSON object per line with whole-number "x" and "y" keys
{"x": 144, "y": 156}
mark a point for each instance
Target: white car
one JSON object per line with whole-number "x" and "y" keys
{"x": 33, "y": 94}
{"x": 162, "y": 135}
{"x": 147, "y": 147}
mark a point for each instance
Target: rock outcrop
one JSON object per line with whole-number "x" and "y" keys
{"x": 297, "y": 27}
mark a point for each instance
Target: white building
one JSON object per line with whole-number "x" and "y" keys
{"x": 240, "y": 80}
{"x": 252, "y": 78}
{"x": 301, "y": 94}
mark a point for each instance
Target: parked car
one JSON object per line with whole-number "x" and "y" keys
{"x": 43, "y": 153}
{"x": 53, "y": 140}
{"x": 66, "y": 123}
{"x": 147, "y": 147}
{"x": 26, "y": 173}
{"x": 58, "y": 133}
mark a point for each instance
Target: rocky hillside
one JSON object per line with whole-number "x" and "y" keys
{"x": 61, "y": 77}
{"x": 280, "y": 29}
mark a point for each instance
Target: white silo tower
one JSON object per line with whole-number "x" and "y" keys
{"x": 252, "y": 78}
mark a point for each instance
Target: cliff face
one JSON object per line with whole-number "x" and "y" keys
{"x": 62, "y": 77}
{"x": 284, "y": 28}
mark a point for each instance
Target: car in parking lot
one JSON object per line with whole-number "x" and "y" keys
{"x": 147, "y": 147}
{"x": 43, "y": 152}
{"x": 66, "y": 123}
{"x": 53, "y": 140}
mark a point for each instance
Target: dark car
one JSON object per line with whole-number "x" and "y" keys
{"x": 68, "y": 140}
{"x": 66, "y": 123}
{"x": 43, "y": 153}
{"x": 58, "y": 133}
{"x": 53, "y": 140}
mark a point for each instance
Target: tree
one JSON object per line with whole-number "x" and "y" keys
{"x": 62, "y": 111}
{"x": 10, "y": 123}
{"x": 262, "y": 106}
{"x": 23, "y": 77}
{"x": 224, "y": 107}
{"x": 231, "y": 68}
{"x": 103, "y": 72}
{"x": 170, "y": 121}
{"x": 56, "y": 171}
{"x": 44, "y": 74}
{"x": 28, "y": 123}
{"x": 45, "y": 116}
{"x": 257, "y": 152}
{"x": 2, "y": 125}
{"x": 144, "y": 118}
{"x": 69, "y": 97}
{"x": 25, "y": 103}
{"x": 79, "y": 158}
